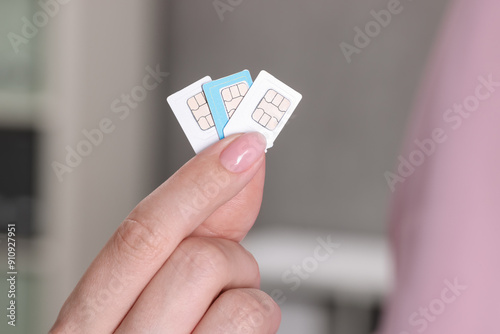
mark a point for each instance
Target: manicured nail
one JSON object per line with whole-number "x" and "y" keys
{"x": 243, "y": 152}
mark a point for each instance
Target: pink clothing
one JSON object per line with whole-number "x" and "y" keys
{"x": 445, "y": 221}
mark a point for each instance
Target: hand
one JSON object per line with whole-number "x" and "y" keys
{"x": 175, "y": 264}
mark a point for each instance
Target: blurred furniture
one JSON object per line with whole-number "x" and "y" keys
{"x": 339, "y": 279}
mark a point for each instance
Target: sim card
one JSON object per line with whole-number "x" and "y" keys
{"x": 191, "y": 110}
{"x": 224, "y": 96}
{"x": 266, "y": 108}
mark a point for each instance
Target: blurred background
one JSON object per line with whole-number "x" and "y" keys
{"x": 66, "y": 66}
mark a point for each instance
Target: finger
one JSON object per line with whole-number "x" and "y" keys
{"x": 154, "y": 229}
{"x": 183, "y": 289}
{"x": 247, "y": 311}
{"x": 234, "y": 219}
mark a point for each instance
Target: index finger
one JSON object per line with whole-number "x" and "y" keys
{"x": 152, "y": 231}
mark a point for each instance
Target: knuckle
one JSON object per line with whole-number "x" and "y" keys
{"x": 253, "y": 267}
{"x": 200, "y": 259}
{"x": 138, "y": 240}
{"x": 247, "y": 310}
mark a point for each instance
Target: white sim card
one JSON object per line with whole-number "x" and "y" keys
{"x": 191, "y": 110}
{"x": 266, "y": 108}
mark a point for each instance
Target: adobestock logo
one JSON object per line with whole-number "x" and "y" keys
{"x": 422, "y": 318}
{"x": 297, "y": 273}
{"x": 48, "y": 9}
{"x": 373, "y": 28}
{"x": 300, "y": 272}
{"x": 212, "y": 183}
{"x": 200, "y": 196}
{"x": 221, "y": 7}
{"x": 92, "y": 306}
{"x": 453, "y": 118}
{"x": 121, "y": 108}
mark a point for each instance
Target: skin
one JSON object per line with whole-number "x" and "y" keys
{"x": 175, "y": 264}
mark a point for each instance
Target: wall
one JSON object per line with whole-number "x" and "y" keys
{"x": 95, "y": 51}
{"x": 327, "y": 167}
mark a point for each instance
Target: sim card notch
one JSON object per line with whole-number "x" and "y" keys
{"x": 193, "y": 114}
{"x": 225, "y": 95}
{"x": 266, "y": 108}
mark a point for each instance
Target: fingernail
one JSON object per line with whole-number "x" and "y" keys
{"x": 243, "y": 152}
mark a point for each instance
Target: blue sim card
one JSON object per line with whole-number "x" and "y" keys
{"x": 225, "y": 95}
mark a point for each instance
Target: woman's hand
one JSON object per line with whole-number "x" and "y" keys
{"x": 175, "y": 264}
